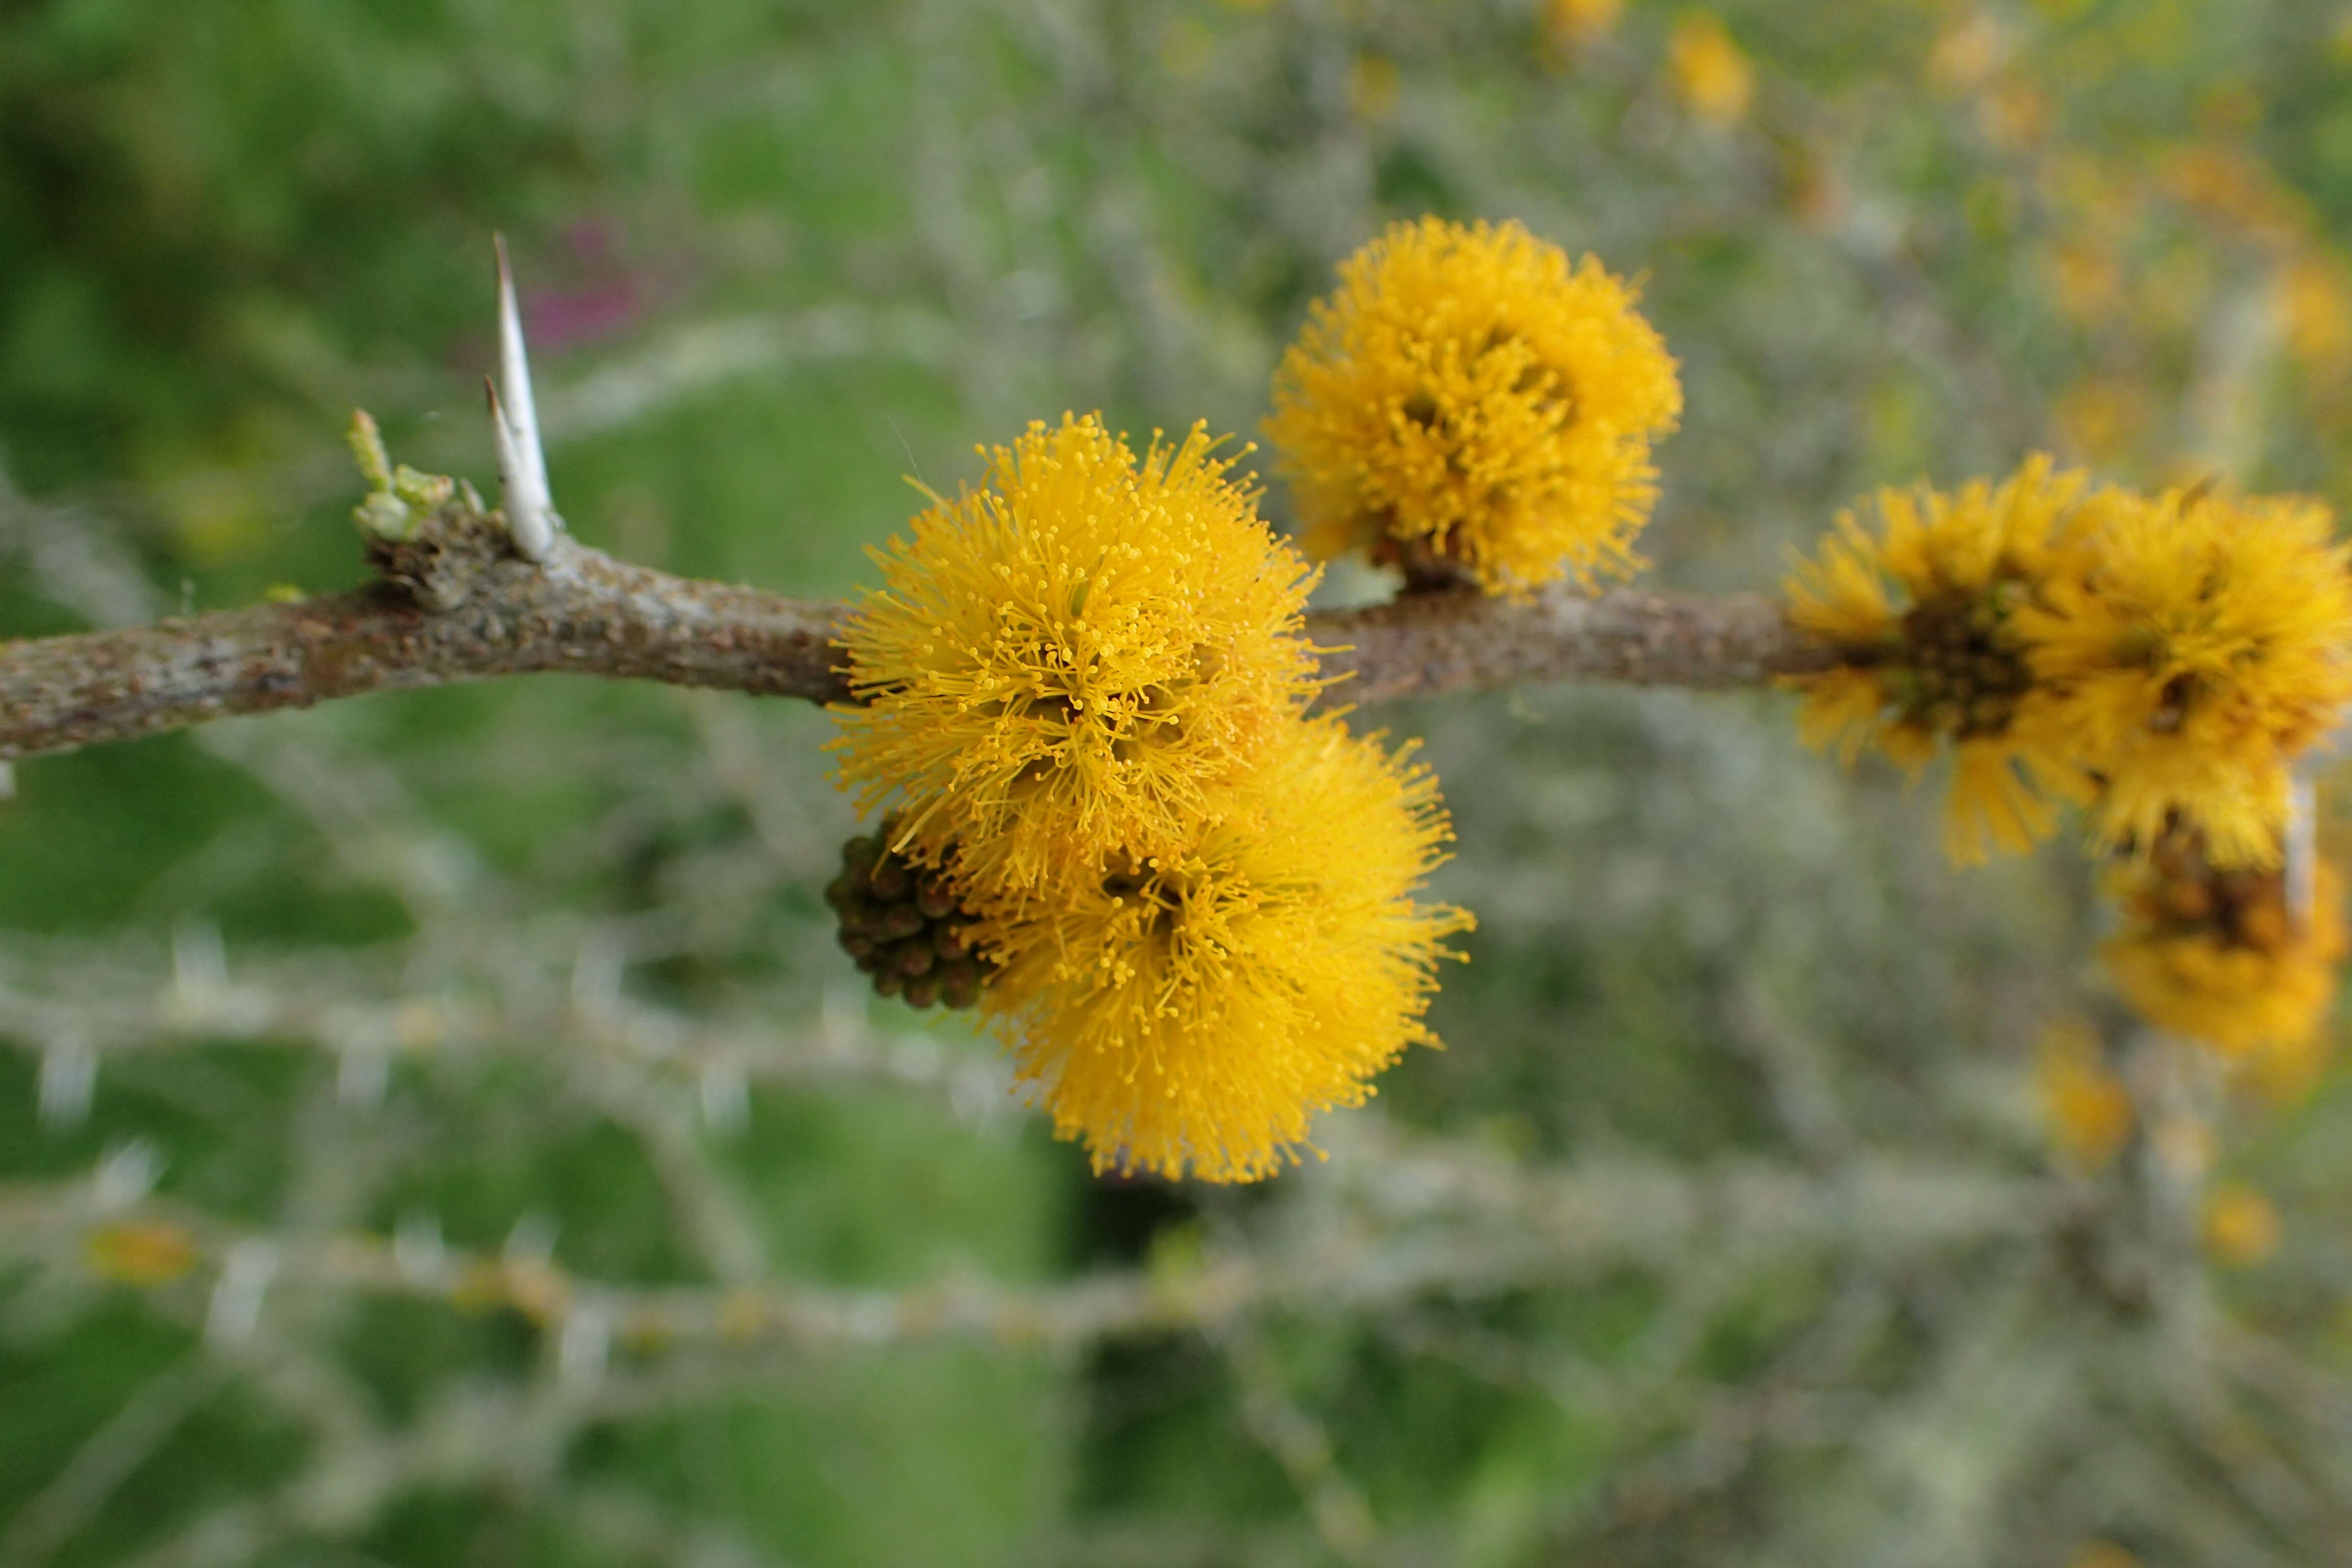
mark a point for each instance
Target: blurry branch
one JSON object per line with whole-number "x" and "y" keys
{"x": 1420, "y": 1221}
{"x": 455, "y": 603}
{"x": 112, "y": 1006}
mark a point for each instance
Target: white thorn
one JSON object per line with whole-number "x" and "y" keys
{"x": 126, "y": 1175}
{"x": 532, "y": 1239}
{"x": 361, "y": 1075}
{"x": 514, "y": 422}
{"x": 416, "y": 1248}
{"x": 2300, "y": 874}
{"x": 726, "y": 1097}
{"x": 597, "y": 972}
{"x": 68, "y": 1080}
{"x": 8, "y": 783}
{"x": 586, "y": 1343}
{"x": 199, "y": 962}
{"x": 245, "y": 1279}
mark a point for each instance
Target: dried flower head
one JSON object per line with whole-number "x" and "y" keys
{"x": 1926, "y": 611}
{"x": 2199, "y": 645}
{"x": 2219, "y": 954}
{"x": 1470, "y": 403}
{"x": 1186, "y": 1014}
{"x": 1064, "y": 662}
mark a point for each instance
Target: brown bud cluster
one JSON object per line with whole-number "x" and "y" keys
{"x": 905, "y": 925}
{"x": 1966, "y": 675}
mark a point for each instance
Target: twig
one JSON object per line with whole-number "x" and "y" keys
{"x": 458, "y": 604}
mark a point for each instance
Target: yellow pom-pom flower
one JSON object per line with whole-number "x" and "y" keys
{"x": 2217, "y": 953}
{"x": 1924, "y": 612}
{"x": 1469, "y": 403}
{"x": 2199, "y": 646}
{"x": 1065, "y": 661}
{"x": 1187, "y": 1014}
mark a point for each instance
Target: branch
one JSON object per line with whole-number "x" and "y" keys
{"x": 455, "y": 603}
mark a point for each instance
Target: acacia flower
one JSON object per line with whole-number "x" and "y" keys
{"x": 1065, "y": 661}
{"x": 1469, "y": 402}
{"x": 1187, "y": 1013}
{"x": 2217, "y": 955}
{"x": 1925, "y": 611}
{"x": 2197, "y": 647}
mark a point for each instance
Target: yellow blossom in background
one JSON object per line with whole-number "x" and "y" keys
{"x": 1710, "y": 73}
{"x": 1924, "y": 608}
{"x": 2283, "y": 1072}
{"x": 2087, "y": 277}
{"x": 2316, "y": 312}
{"x": 2101, "y": 417}
{"x": 145, "y": 1253}
{"x": 1065, "y": 661}
{"x": 1572, "y": 24}
{"x": 1470, "y": 401}
{"x": 1372, "y": 85}
{"x": 2102, "y": 1554}
{"x": 2239, "y": 1227}
{"x": 1967, "y": 53}
{"x": 2089, "y": 1111}
{"x": 2015, "y": 115}
{"x": 2217, "y": 955}
{"x": 2233, "y": 186}
{"x": 2199, "y": 646}
{"x": 1186, "y": 1014}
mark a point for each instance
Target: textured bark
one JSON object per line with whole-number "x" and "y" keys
{"x": 455, "y": 604}
{"x": 1462, "y": 640}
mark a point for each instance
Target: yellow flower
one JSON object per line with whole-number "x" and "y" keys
{"x": 2241, "y": 1227}
{"x": 2089, "y": 1111}
{"x": 2102, "y": 1554}
{"x": 1708, "y": 70}
{"x": 1186, "y": 1014}
{"x": 1571, "y": 24}
{"x": 145, "y": 1253}
{"x": 2197, "y": 648}
{"x": 1924, "y": 610}
{"x": 2215, "y": 953}
{"x": 1064, "y": 662}
{"x": 1470, "y": 401}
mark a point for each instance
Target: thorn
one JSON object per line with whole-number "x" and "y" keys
{"x": 514, "y": 423}
{"x": 126, "y": 1175}
{"x": 244, "y": 1278}
{"x": 2299, "y": 875}
{"x": 585, "y": 1346}
{"x": 8, "y": 783}
{"x": 68, "y": 1080}
{"x": 726, "y": 1097}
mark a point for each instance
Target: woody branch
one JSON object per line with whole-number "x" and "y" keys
{"x": 454, "y": 603}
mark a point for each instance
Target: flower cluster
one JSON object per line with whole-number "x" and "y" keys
{"x": 1189, "y": 905}
{"x": 2228, "y": 955}
{"x": 2160, "y": 659}
{"x": 1470, "y": 404}
{"x": 2162, "y": 662}
{"x": 1924, "y": 611}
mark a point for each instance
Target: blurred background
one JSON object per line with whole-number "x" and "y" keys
{"x": 439, "y": 1129}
